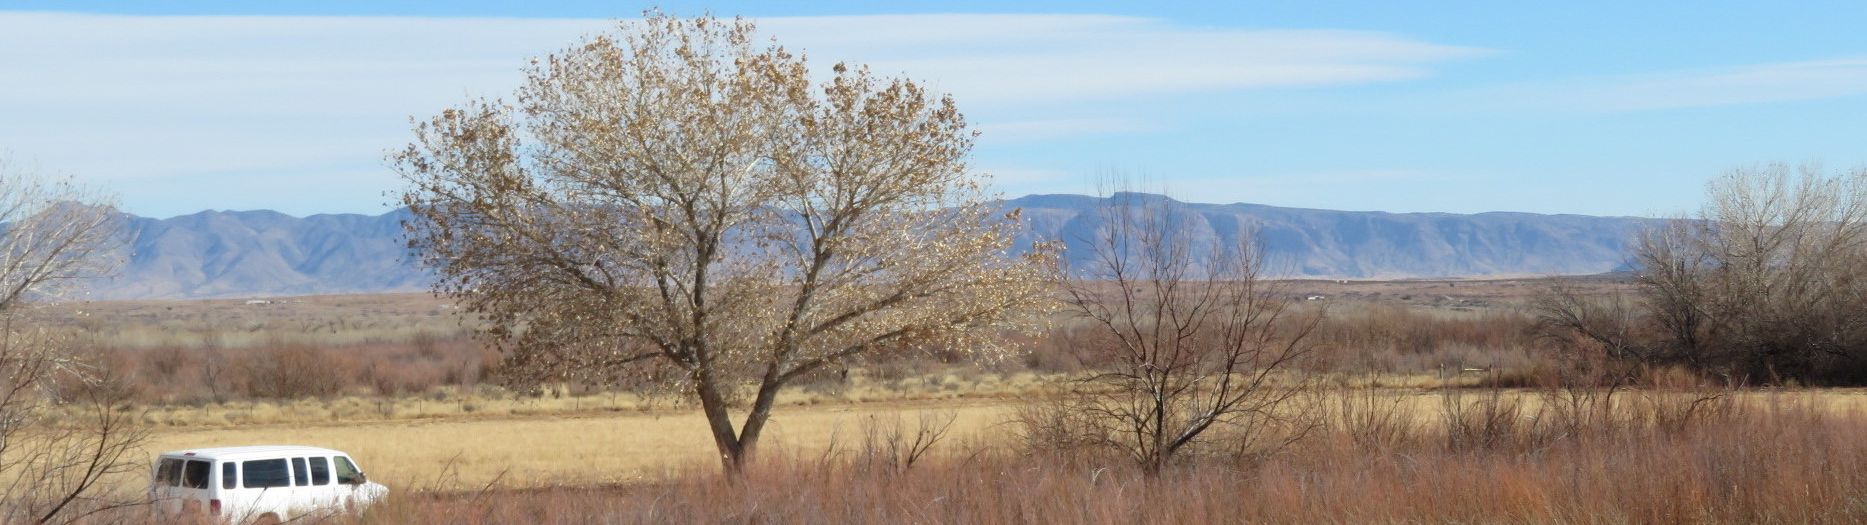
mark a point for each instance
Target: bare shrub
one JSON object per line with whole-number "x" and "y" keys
{"x": 892, "y": 445}
{"x": 1373, "y": 420}
{"x": 1056, "y": 428}
{"x": 292, "y": 372}
{"x": 60, "y": 468}
{"x": 1678, "y": 401}
{"x": 1492, "y": 421}
{"x": 287, "y": 370}
{"x": 1193, "y": 337}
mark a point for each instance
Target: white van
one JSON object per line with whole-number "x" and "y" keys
{"x": 260, "y": 483}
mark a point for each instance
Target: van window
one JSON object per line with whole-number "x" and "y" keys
{"x": 168, "y": 471}
{"x": 346, "y": 471}
{"x": 194, "y": 475}
{"x": 265, "y": 473}
{"x": 320, "y": 471}
{"x": 298, "y": 472}
{"x": 227, "y": 475}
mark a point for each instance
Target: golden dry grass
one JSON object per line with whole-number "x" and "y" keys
{"x": 491, "y": 401}
{"x": 608, "y": 448}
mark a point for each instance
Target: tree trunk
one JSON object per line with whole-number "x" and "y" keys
{"x": 761, "y": 412}
{"x": 737, "y": 448}
{"x": 732, "y": 454}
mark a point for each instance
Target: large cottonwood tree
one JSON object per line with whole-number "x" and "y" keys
{"x": 677, "y": 202}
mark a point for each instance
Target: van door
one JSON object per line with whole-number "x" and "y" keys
{"x": 324, "y": 484}
{"x": 193, "y": 489}
{"x": 162, "y": 484}
{"x": 349, "y": 488}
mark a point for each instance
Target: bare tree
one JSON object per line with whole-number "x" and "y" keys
{"x": 1786, "y": 298}
{"x": 1192, "y": 340}
{"x": 674, "y": 202}
{"x": 1605, "y": 323}
{"x": 1764, "y": 284}
{"x": 63, "y": 422}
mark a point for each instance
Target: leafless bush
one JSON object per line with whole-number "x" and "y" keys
{"x": 59, "y": 469}
{"x": 1678, "y": 401}
{"x": 1373, "y": 420}
{"x": 1189, "y": 341}
{"x": 1057, "y": 428}
{"x": 891, "y": 445}
{"x": 1492, "y": 421}
{"x": 292, "y": 372}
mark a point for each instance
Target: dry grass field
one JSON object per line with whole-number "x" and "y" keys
{"x": 1431, "y": 398}
{"x": 1767, "y": 456}
{"x": 569, "y": 449}
{"x": 619, "y": 443}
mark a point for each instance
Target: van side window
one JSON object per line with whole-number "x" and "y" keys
{"x": 298, "y": 472}
{"x": 227, "y": 475}
{"x": 194, "y": 475}
{"x": 320, "y": 471}
{"x": 168, "y": 472}
{"x": 265, "y": 473}
{"x": 346, "y": 471}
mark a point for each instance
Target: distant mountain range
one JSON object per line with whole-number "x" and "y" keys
{"x": 265, "y": 253}
{"x": 1365, "y": 245}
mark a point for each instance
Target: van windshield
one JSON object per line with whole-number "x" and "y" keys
{"x": 347, "y": 472}
{"x": 265, "y": 473}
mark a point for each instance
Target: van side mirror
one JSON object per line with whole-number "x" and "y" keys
{"x": 361, "y": 479}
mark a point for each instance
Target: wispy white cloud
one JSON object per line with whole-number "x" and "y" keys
{"x": 1051, "y": 58}
{"x": 1750, "y": 84}
{"x": 135, "y": 98}
{"x": 1672, "y": 89}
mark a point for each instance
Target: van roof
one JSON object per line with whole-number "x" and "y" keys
{"x": 253, "y": 451}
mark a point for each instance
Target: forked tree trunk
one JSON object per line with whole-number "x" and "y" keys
{"x": 721, "y": 424}
{"x": 737, "y": 447}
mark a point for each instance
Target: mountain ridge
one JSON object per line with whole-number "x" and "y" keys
{"x": 263, "y": 253}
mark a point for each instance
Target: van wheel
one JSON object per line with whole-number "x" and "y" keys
{"x": 267, "y": 519}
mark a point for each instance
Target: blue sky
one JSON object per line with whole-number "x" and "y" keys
{"x": 1614, "y": 108}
